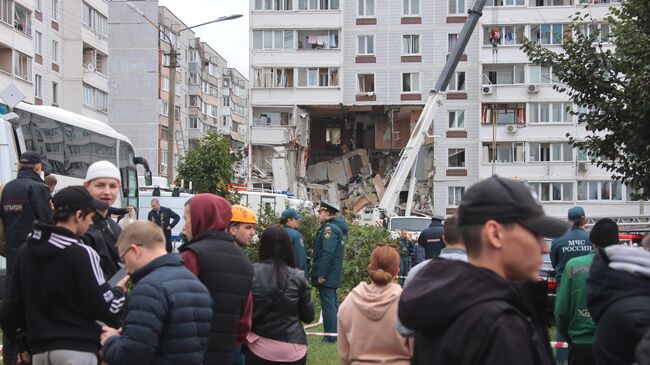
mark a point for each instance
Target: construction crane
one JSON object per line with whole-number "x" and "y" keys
{"x": 409, "y": 154}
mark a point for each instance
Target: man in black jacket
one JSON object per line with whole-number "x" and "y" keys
{"x": 23, "y": 201}
{"x": 103, "y": 182}
{"x": 165, "y": 218}
{"x": 492, "y": 310}
{"x": 431, "y": 239}
{"x": 168, "y": 315}
{"x": 58, "y": 290}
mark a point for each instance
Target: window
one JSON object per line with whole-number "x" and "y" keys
{"x": 552, "y": 191}
{"x": 456, "y": 119}
{"x": 38, "y": 5}
{"x": 273, "y": 39}
{"x": 411, "y": 44}
{"x": 366, "y": 83}
{"x": 456, "y": 157}
{"x": 194, "y": 123}
{"x": 452, "y": 40}
{"x": 38, "y": 86}
{"x": 22, "y": 66}
{"x": 412, "y": 7}
{"x": 318, "y": 39}
{"x": 38, "y": 43}
{"x": 273, "y": 77}
{"x": 164, "y": 108}
{"x": 93, "y": 19}
{"x": 318, "y": 77}
{"x": 273, "y": 4}
{"x": 333, "y": 136}
{"x": 548, "y": 34}
{"x": 411, "y": 82}
{"x": 212, "y": 69}
{"x": 55, "y": 51}
{"x": 22, "y": 19}
{"x": 55, "y": 93}
{"x": 503, "y": 113}
{"x": 455, "y": 195}
{"x": 599, "y": 190}
{"x": 583, "y": 155}
{"x": 550, "y": 152}
{"x": 503, "y": 74}
{"x": 55, "y": 10}
{"x": 457, "y": 82}
{"x": 194, "y": 78}
{"x": 456, "y": 7}
{"x": 550, "y": 113}
{"x": 318, "y": 4}
{"x": 366, "y": 45}
{"x": 503, "y": 152}
{"x": 511, "y": 35}
{"x": 6, "y": 11}
{"x": 600, "y": 31}
{"x": 164, "y": 84}
{"x": 542, "y": 75}
{"x": 95, "y": 98}
{"x": 551, "y": 2}
{"x": 366, "y": 8}
{"x": 505, "y": 2}
{"x": 163, "y": 159}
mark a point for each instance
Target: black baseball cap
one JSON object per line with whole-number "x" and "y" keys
{"x": 75, "y": 198}
{"x": 507, "y": 201}
{"x": 30, "y": 157}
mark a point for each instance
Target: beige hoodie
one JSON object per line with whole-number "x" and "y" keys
{"x": 367, "y": 327}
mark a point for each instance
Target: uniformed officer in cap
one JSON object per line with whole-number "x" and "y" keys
{"x": 327, "y": 265}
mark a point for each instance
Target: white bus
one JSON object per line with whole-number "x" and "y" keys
{"x": 68, "y": 143}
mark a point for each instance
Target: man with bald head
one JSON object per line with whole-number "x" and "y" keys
{"x": 165, "y": 218}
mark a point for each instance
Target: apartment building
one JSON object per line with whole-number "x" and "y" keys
{"x": 331, "y": 77}
{"x": 50, "y": 49}
{"x": 140, "y": 82}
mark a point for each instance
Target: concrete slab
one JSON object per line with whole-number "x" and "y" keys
{"x": 336, "y": 172}
{"x": 317, "y": 173}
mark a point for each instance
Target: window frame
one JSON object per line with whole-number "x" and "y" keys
{"x": 369, "y": 39}
{"x": 455, "y": 80}
{"x": 359, "y": 92}
{"x": 457, "y": 13}
{"x": 453, "y": 125}
{"x": 456, "y": 151}
{"x": 538, "y": 186}
{"x": 410, "y": 11}
{"x": 365, "y": 13}
{"x": 452, "y": 195}
{"x": 406, "y": 42}
{"x": 411, "y": 83}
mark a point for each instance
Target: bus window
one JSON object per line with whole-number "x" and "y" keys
{"x": 129, "y": 175}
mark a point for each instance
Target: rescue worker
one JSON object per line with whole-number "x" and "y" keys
{"x": 327, "y": 265}
{"x": 290, "y": 220}
{"x": 23, "y": 201}
{"x": 405, "y": 249}
{"x": 431, "y": 239}
{"x": 242, "y": 225}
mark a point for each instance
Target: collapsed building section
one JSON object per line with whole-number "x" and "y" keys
{"x": 341, "y": 154}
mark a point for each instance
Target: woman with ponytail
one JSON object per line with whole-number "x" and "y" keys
{"x": 281, "y": 302}
{"x": 367, "y": 331}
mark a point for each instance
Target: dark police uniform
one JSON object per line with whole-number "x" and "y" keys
{"x": 162, "y": 218}
{"x": 328, "y": 263}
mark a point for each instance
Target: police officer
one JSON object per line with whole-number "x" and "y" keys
{"x": 327, "y": 265}
{"x": 431, "y": 239}
{"x": 573, "y": 243}
{"x": 166, "y": 218}
{"x": 290, "y": 220}
{"x": 23, "y": 201}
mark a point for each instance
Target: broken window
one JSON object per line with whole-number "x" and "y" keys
{"x": 22, "y": 19}
{"x": 366, "y": 83}
{"x": 504, "y": 113}
{"x": 457, "y": 82}
{"x": 22, "y": 66}
{"x": 456, "y": 157}
{"x": 333, "y": 136}
{"x": 410, "y": 44}
{"x": 456, "y": 119}
{"x": 410, "y": 82}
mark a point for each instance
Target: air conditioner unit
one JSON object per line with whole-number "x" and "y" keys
{"x": 533, "y": 89}
{"x": 487, "y": 89}
{"x": 89, "y": 67}
{"x": 511, "y": 129}
{"x": 582, "y": 166}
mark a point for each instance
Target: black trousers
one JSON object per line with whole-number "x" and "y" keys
{"x": 581, "y": 354}
{"x": 252, "y": 359}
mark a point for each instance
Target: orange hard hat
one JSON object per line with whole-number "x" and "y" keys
{"x": 242, "y": 214}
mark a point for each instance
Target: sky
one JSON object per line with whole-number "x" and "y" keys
{"x": 228, "y": 38}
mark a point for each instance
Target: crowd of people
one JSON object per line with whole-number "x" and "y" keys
{"x": 84, "y": 289}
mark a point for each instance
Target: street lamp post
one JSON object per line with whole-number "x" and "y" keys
{"x": 171, "y": 99}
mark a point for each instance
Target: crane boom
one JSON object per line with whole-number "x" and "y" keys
{"x": 409, "y": 154}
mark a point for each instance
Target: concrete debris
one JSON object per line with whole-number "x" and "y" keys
{"x": 379, "y": 186}
{"x": 317, "y": 173}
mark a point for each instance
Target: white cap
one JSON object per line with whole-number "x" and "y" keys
{"x": 103, "y": 169}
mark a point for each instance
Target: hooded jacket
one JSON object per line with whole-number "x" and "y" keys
{"x": 102, "y": 236}
{"x": 328, "y": 252}
{"x": 619, "y": 302}
{"x": 474, "y": 317}
{"x": 367, "y": 332}
{"x": 58, "y": 292}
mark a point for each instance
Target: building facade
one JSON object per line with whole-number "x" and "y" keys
{"x": 330, "y": 78}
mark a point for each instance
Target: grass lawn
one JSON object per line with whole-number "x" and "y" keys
{"x": 319, "y": 352}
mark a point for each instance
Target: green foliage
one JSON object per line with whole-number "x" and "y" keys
{"x": 209, "y": 166}
{"x": 264, "y": 220}
{"x": 610, "y": 85}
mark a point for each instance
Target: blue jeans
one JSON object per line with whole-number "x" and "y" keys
{"x": 330, "y": 308}
{"x": 561, "y": 355}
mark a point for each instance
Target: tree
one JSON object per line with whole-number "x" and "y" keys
{"x": 209, "y": 166}
{"x": 610, "y": 86}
